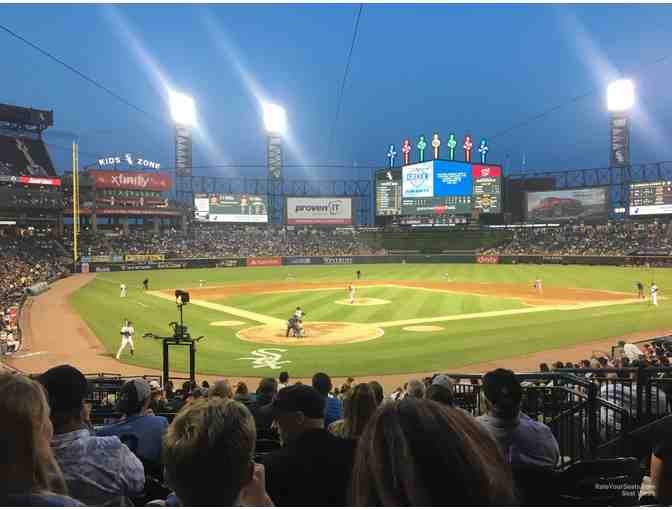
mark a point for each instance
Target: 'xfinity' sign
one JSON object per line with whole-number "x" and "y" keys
{"x": 130, "y": 160}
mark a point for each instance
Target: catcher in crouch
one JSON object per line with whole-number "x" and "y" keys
{"x": 295, "y": 327}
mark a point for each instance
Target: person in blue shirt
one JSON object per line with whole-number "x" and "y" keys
{"x": 142, "y": 433}
{"x": 333, "y": 410}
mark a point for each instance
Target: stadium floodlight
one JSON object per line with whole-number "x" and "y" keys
{"x": 620, "y": 95}
{"x": 275, "y": 119}
{"x": 182, "y": 109}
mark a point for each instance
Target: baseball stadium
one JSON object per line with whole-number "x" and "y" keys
{"x": 511, "y": 327}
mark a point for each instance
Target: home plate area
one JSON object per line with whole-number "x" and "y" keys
{"x": 315, "y": 333}
{"x": 367, "y": 301}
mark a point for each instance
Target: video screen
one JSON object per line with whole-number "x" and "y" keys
{"x": 651, "y": 198}
{"x": 589, "y": 204}
{"x": 230, "y": 208}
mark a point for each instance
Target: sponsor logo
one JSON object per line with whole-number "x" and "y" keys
{"x": 39, "y": 180}
{"x": 137, "y": 267}
{"x": 101, "y": 269}
{"x": 337, "y": 260}
{"x": 228, "y": 263}
{"x": 487, "y": 259}
{"x": 267, "y": 358}
{"x": 143, "y": 257}
{"x": 298, "y": 261}
{"x": 170, "y": 265}
{"x": 264, "y": 261}
{"x": 130, "y": 160}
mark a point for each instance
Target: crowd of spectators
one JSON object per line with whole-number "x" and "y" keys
{"x": 620, "y": 238}
{"x": 24, "y": 261}
{"x": 207, "y": 241}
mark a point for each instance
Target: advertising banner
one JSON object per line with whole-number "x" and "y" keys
{"x": 230, "y": 208}
{"x": 230, "y": 263}
{"x": 45, "y": 181}
{"x": 109, "y": 179}
{"x": 336, "y": 260}
{"x": 319, "y": 211}
{"x": 418, "y": 180}
{"x": 588, "y": 204}
{"x": 263, "y": 261}
{"x": 301, "y": 261}
{"x": 143, "y": 257}
{"x": 487, "y": 259}
{"x": 136, "y": 212}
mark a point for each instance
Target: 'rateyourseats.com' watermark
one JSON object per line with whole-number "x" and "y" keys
{"x": 625, "y": 489}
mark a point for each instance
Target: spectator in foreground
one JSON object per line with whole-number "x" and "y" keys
{"x": 313, "y": 467}
{"x": 221, "y": 389}
{"x": 661, "y": 471}
{"x": 358, "y": 407}
{"x": 262, "y": 408}
{"x": 415, "y": 389}
{"x": 145, "y": 431}
{"x": 441, "y": 391}
{"x": 242, "y": 394}
{"x": 378, "y": 391}
{"x": 30, "y": 474}
{"x": 283, "y": 380}
{"x": 99, "y": 471}
{"x": 417, "y": 452}
{"x": 333, "y": 409}
{"x": 208, "y": 452}
{"x": 524, "y": 442}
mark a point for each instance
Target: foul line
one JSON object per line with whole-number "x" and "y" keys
{"x": 500, "y": 313}
{"x": 237, "y": 312}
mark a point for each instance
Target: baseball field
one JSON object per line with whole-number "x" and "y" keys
{"x": 406, "y": 318}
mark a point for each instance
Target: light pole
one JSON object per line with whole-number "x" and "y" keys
{"x": 184, "y": 115}
{"x": 275, "y": 122}
{"x": 620, "y": 99}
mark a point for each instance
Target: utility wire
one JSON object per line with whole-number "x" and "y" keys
{"x": 345, "y": 77}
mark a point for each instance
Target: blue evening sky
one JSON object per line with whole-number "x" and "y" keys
{"x": 416, "y": 69}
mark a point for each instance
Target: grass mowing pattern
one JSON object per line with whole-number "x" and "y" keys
{"x": 461, "y": 343}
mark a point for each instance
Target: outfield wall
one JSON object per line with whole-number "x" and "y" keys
{"x": 100, "y": 267}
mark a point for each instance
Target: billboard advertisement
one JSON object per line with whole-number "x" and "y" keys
{"x": 319, "y": 211}
{"x": 588, "y": 204}
{"x": 111, "y": 179}
{"x": 650, "y": 198}
{"x": 418, "y": 180}
{"x": 230, "y": 208}
{"x": 263, "y": 261}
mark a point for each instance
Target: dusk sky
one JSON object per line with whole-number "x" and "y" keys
{"x": 415, "y": 69}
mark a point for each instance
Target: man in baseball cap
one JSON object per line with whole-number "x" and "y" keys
{"x": 313, "y": 467}
{"x": 144, "y": 432}
{"x": 98, "y": 470}
{"x": 522, "y": 440}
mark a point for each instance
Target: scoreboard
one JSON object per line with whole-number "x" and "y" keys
{"x": 439, "y": 187}
{"x": 651, "y": 198}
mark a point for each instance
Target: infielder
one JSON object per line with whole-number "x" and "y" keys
{"x": 126, "y": 338}
{"x": 298, "y": 313}
{"x": 640, "y": 290}
{"x": 537, "y": 285}
{"x": 123, "y": 289}
{"x": 654, "y": 294}
{"x": 351, "y": 291}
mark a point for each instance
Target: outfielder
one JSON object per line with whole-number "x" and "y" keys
{"x": 123, "y": 289}
{"x": 654, "y": 294}
{"x": 351, "y": 291}
{"x": 126, "y": 338}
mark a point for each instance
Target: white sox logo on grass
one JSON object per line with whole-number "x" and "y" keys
{"x": 267, "y": 358}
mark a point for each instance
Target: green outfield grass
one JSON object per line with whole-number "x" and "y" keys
{"x": 462, "y": 342}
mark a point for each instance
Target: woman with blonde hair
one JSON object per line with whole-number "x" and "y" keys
{"x": 358, "y": 407}
{"x": 30, "y": 474}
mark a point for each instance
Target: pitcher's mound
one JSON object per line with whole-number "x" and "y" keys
{"x": 227, "y": 323}
{"x": 423, "y": 328}
{"x": 316, "y": 333}
{"x": 365, "y": 301}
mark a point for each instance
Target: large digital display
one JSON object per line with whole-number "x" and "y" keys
{"x": 588, "y": 204}
{"x": 651, "y": 198}
{"x": 230, "y": 208}
{"x": 439, "y": 187}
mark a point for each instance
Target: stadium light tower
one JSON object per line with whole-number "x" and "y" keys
{"x": 620, "y": 100}
{"x": 184, "y": 115}
{"x": 275, "y": 121}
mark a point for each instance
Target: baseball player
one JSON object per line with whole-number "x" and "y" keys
{"x": 123, "y": 290}
{"x": 145, "y": 283}
{"x": 640, "y": 290}
{"x": 298, "y": 313}
{"x": 359, "y": 274}
{"x": 537, "y": 285}
{"x": 126, "y": 338}
{"x": 351, "y": 291}
{"x": 654, "y": 294}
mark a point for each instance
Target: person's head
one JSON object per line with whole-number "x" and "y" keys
{"x": 213, "y": 432}
{"x": 134, "y": 397}
{"x": 558, "y": 365}
{"x": 221, "y": 389}
{"x": 267, "y": 388}
{"x": 377, "y": 391}
{"x": 322, "y": 383}
{"x": 66, "y": 390}
{"x": 361, "y": 404}
{"x": 503, "y": 393}
{"x": 205, "y": 384}
{"x": 441, "y": 390}
{"x": 415, "y": 389}
{"x": 621, "y": 343}
{"x": 396, "y": 465}
{"x": 241, "y": 389}
{"x": 27, "y": 463}
{"x": 284, "y": 377}
{"x": 298, "y": 408}
{"x": 543, "y": 367}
